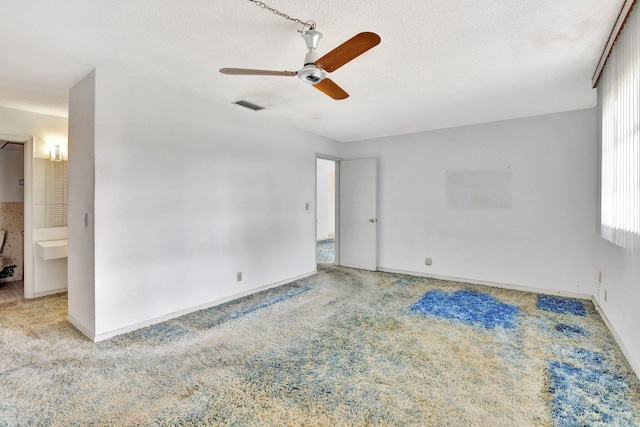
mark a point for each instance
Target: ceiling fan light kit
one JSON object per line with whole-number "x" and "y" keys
{"x": 314, "y": 71}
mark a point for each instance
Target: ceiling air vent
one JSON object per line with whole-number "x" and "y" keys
{"x": 249, "y": 105}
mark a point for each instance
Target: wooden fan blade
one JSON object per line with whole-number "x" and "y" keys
{"x": 252, "y": 72}
{"x": 347, "y": 51}
{"x": 328, "y": 87}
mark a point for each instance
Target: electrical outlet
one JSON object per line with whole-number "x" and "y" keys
{"x": 605, "y": 295}
{"x": 239, "y": 276}
{"x": 428, "y": 261}
{"x": 599, "y": 276}
{"x": 86, "y": 220}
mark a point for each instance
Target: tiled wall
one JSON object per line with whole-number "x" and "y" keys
{"x": 12, "y": 221}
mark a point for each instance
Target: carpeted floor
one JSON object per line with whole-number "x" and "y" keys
{"x": 344, "y": 347}
{"x": 326, "y": 251}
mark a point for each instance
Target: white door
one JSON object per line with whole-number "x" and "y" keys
{"x": 358, "y": 221}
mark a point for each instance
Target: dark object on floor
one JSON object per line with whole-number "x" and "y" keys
{"x": 7, "y": 271}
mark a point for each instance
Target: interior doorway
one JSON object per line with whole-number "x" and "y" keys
{"x": 11, "y": 218}
{"x": 326, "y": 208}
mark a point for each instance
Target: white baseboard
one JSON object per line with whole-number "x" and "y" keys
{"x": 106, "y": 335}
{"x": 89, "y": 334}
{"x": 623, "y": 348}
{"x": 47, "y": 293}
{"x": 492, "y": 284}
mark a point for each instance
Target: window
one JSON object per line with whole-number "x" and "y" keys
{"x": 57, "y": 194}
{"x": 619, "y": 87}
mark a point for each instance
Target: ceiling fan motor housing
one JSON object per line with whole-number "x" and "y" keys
{"x": 310, "y": 73}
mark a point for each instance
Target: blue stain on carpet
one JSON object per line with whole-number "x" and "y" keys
{"x": 468, "y": 307}
{"x": 268, "y": 302}
{"x": 581, "y": 355}
{"x": 570, "y": 330}
{"x": 402, "y": 282}
{"x": 160, "y": 333}
{"x": 585, "y": 396}
{"x": 210, "y": 317}
{"x": 586, "y": 356}
{"x": 561, "y": 305}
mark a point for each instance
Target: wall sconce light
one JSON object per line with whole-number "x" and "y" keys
{"x": 56, "y": 154}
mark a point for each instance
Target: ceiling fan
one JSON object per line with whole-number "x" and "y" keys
{"x": 315, "y": 70}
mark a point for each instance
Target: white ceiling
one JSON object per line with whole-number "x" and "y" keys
{"x": 441, "y": 63}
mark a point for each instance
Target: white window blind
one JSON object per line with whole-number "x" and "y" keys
{"x": 59, "y": 185}
{"x": 620, "y": 182}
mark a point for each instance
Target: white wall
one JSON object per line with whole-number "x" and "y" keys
{"x": 621, "y": 279}
{"x": 81, "y": 259}
{"x": 322, "y": 198}
{"x": 331, "y": 202}
{"x": 11, "y": 170}
{"x": 187, "y": 194}
{"x": 543, "y": 237}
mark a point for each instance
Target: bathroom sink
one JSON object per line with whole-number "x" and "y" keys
{"x": 52, "y": 249}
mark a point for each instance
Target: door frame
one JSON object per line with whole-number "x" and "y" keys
{"x": 336, "y": 206}
{"x": 27, "y": 243}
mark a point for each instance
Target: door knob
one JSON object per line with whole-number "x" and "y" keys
{"x": 373, "y": 220}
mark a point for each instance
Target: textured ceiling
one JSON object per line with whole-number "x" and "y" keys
{"x": 441, "y": 63}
